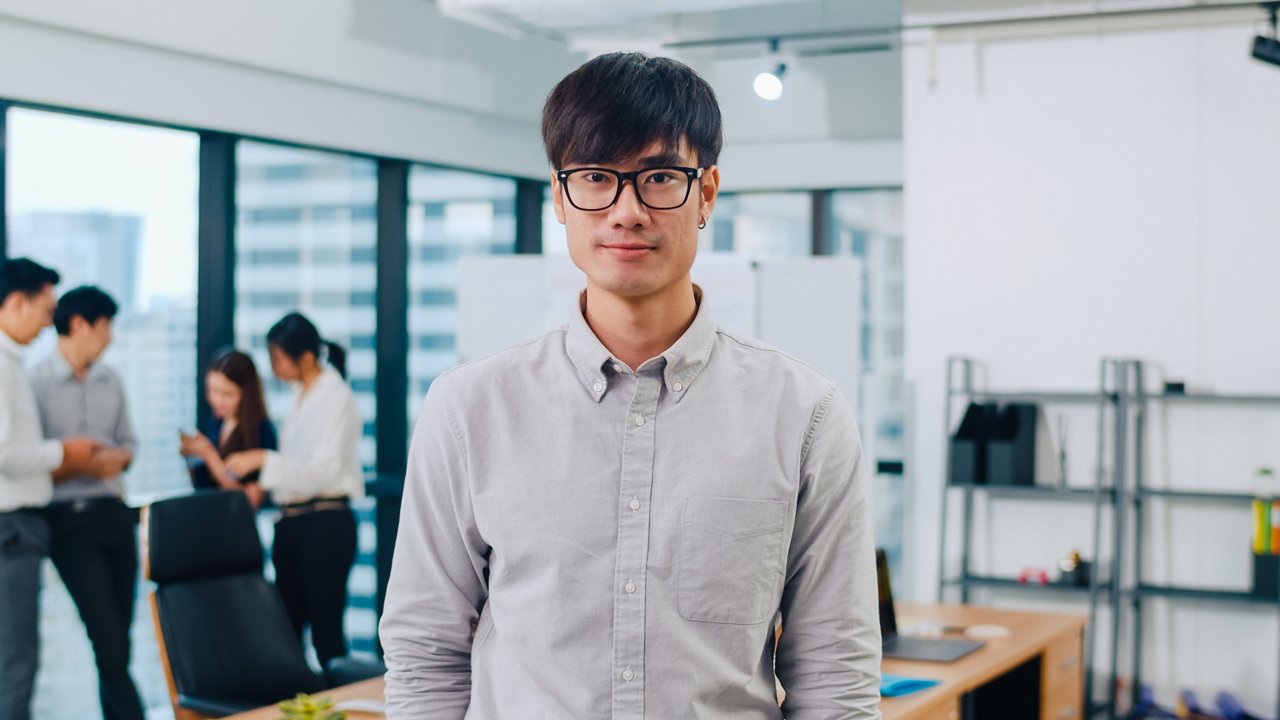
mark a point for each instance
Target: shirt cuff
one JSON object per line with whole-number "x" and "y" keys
{"x": 51, "y": 450}
{"x": 266, "y": 476}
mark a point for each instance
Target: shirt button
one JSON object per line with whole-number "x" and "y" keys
{"x": 628, "y": 675}
{"x": 617, "y": 368}
{"x": 677, "y": 387}
{"x": 639, "y": 420}
{"x": 629, "y": 587}
{"x": 598, "y": 387}
{"x": 634, "y": 504}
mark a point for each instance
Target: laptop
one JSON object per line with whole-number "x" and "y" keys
{"x": 906, "y": 647}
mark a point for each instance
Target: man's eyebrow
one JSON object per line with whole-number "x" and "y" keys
{"x": 665, "y": 159}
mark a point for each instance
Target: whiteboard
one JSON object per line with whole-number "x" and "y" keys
{"x": 809, "y": 307}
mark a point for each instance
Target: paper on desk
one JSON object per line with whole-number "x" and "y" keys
{"x": 369, "y": 707}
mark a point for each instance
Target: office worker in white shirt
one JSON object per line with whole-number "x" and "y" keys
{"x": 27, "y": 464}
{"x": 313, "y": 477}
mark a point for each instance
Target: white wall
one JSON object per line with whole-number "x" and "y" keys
{"x": 390, "y": 78}
{"x": 1082, "y": 192}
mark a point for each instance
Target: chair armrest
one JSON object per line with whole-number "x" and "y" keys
{"x": 349, "y": 669}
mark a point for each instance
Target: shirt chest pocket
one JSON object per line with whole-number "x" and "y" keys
{"x": 731, "y": 560}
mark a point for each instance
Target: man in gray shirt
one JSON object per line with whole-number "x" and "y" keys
{"x": 610, "y": 521}
{"x": 93, "y": 533}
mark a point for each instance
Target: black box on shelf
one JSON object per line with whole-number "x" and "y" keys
{"x": 968, "y": 446}
{"x": 1266, "y": 576}
{"x": 1013, "y": 443}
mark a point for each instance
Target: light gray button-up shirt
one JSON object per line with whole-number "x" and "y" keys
{"x": 580, "y": 542}
{"x": 95, "y": 409}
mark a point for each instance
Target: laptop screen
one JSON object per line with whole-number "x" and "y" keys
{"x": 888, "y": 621}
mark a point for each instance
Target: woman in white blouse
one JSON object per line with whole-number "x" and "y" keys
{"x": 313, "y": 477}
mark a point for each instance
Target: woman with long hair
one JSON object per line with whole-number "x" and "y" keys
{"x": 238, "y": 422}
{"x": 313, "y": 477}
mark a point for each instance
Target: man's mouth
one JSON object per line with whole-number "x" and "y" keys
{"x": 628, "y": 250}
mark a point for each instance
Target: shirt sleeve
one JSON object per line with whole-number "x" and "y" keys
{"x": 17, "y": 458}
{"x": 333, "y": 431}
{"x": 437, "y": 587}
{"x": 828, "y": 658}
{"x": 124, "y": 436}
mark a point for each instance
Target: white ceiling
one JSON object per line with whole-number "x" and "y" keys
{"x": 599, "y": 25}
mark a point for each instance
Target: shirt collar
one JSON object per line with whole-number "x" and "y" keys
{"x": 683, "y": 361}
{"x": 62, "y": 371}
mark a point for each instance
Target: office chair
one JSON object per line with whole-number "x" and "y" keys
{"x": 226, "y": 642}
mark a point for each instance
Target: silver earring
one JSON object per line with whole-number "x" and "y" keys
{"x": 702, "y": 223}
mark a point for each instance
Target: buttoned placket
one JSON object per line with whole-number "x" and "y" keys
{"x": 81, "y": 390}
{"x": 633, "y": 545}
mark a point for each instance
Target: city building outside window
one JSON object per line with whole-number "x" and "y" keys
{"x": 306, "y": 235}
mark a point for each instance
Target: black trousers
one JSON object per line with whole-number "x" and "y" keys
{"x": 313, "y": 555}
{"x": 94, "y": 546}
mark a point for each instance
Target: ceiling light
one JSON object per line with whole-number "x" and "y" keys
{"x": 768, "y": 85}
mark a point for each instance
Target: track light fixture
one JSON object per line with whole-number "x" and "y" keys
{"x": 1267, "y": 49}
{"x": 768, "y": 85}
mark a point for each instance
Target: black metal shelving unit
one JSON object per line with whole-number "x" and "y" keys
{"x": 1012, "y": 583}
{"x": 1142, "y": 494}
{"x": 1111, "y": 402}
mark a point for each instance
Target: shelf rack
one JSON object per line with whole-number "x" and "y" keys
{"x": 1111, "y": 399}
{"x": 1141, "y": 494}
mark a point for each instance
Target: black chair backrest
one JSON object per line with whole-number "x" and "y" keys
{"x": 226, "y": 632}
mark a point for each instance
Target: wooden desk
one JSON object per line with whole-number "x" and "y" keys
{"x": 1056, "y": 639}
{"x": 364, "y": 690}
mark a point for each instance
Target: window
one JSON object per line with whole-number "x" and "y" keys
{"x": 451, "y": 214}
{"x": 760, "y": 225}
{"x": 305, "y": 241}
{"x": 868, "y": 225}
{"x": 113, "y": 205}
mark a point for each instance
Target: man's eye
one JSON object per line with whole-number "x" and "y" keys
{"x": 661, "y": 177}
{"x": 595, "y": 177}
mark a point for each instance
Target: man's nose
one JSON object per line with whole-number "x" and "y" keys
{"x": 628, "y": 210}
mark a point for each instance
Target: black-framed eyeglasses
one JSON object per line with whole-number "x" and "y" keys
{"x": 658, "y": 188}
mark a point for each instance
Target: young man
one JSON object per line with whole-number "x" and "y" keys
{"x": 26, "y": 485}
{"x": 93, "y": 533}
{"x": 608, "y": 521}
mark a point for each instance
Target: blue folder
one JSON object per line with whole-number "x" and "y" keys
{"x": 895, "y": 685}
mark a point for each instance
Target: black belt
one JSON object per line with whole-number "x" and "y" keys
{"x": 314, "y": 505}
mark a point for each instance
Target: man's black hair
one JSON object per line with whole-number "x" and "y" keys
{"x": 21, "y": 275}
{"x": 86, "y": 301}
{"x": 616, "y": 105}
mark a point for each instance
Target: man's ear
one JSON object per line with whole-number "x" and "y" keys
{"x": 77, "y": 325}
{"x": 557, "y": 197}
{"x": 710, "y": 188}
